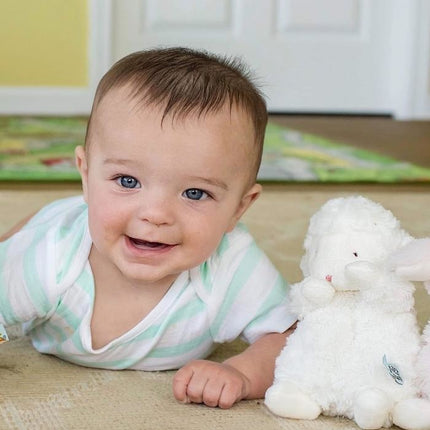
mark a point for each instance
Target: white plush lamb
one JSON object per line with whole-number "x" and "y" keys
{"x": 412, "y": 262}
{"x": 354, "y": 350}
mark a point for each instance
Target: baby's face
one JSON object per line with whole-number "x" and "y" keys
{"x": 161, "y": 197}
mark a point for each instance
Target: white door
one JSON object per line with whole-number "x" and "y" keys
{"x": 310, "y": 55}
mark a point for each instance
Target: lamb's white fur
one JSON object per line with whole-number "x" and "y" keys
{"x": 352, "y": 312}
{"x": 423, "y": 365}
{"x": 412, "y": 262}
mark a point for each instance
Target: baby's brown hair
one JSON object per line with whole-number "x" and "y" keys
{"x": 185, "y": 81}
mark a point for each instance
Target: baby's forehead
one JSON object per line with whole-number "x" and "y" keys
{"x": 121, "y": 102}
{"x": 129, "y": 97}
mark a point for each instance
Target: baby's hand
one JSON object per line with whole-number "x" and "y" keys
{"x": 211, "y": 383}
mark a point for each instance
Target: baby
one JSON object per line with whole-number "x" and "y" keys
{"x": 150, "y": 269}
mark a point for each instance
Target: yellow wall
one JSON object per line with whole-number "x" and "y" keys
{"x": 44, "y": 43}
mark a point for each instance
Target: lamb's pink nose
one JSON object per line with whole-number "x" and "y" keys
{"x": 328, "y": 278}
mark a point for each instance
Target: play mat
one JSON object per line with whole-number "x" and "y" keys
{"x": 41, "y": 149}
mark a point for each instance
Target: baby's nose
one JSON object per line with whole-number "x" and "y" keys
{"x": 155, "y": 210}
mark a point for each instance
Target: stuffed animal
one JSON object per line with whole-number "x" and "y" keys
{"x": 412, "y": 262}
{"x": 357, "y": 339}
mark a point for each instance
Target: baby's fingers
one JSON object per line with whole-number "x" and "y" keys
{"x": 196, "y": 387}
{"x": 180, "y": 384}
{"x": 217, "y": 392}
{"x": 212, "y": 392}
{"x": 213, "y": 384}
{"x": 189, "y": 383}
{"x": 231, "y": 393}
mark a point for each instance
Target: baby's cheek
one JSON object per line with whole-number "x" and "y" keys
{"x": 104, "y": 223}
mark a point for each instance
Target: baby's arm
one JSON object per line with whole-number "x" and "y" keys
{"x": 244, "y": 376}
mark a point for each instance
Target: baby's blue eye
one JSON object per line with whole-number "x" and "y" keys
{"x": 128, "y": 182}
{"x": 195, "y": 194}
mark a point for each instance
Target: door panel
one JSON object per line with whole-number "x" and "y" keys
{"x": 309, "y": 55}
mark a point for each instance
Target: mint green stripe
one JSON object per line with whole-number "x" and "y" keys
{"x": 47, "y": 333}
{"x": 240, "y": 278}
{"x": 181, "y": 348}
{"x": 115, "y": 364}
{"x": 43, "y": 340}
{"x": 73, "y": 242}
{"x": 242, "y": 227}
{"x": 223, "y": 246}
{"x": 186, "y": 312}
{"x": 63, "y": 232}
{"x": 33, "y": 286}
{"x": 68, "y": 315}
{"x": 53, "y": 342}
{"x": 277, "y": 295}
{"x": 5, "y": 307}
{"x": 206, "y": 276}
{"x": 76, "y": 339}
{"x": 59, "y": 332}
{"x": 86, "y": 282}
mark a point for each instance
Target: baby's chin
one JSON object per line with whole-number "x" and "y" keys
{"x": 150, "y": 278}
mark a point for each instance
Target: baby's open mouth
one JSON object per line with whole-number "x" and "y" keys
{"x": 144, "y": 244}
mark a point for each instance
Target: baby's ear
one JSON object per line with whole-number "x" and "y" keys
{"x": 247, "y": 199}
{"x": 82, "y": 165}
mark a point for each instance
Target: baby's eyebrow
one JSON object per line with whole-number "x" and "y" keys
{"x": 210, "y": 181}
{"x": 122, "y": 161}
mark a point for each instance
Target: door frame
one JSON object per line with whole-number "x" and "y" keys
{"x": 410, "y": 59}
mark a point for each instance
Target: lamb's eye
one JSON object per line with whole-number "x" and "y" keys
{"x": 355, "y": 254}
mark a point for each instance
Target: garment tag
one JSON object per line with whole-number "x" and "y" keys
{"x": 392, "y": 370}
{"x": 3, "y": 335}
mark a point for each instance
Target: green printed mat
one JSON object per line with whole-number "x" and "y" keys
{"x": 41, "y": 149}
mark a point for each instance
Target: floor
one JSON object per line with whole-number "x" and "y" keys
{"x": 404, "y": 140}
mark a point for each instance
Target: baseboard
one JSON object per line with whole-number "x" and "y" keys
{"x": 45, "y": 101}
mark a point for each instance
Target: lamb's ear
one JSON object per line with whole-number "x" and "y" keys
{"x": 304, "y": 262}
{"x": 304, "y": 265}
{"x": 405, "y": 238}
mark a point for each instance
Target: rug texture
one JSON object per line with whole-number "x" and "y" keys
{"x": 42, "y": 149}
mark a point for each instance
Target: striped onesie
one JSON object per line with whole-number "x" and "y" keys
{"x": 46, "y": 283}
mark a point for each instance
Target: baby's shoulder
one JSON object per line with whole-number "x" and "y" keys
{"x": 233, "y": 243}
{"x": 236, "y": 252}
{"x": 59, "y": 212}
{"x": 43, "y": 259}
{"x": 57, "y": 237}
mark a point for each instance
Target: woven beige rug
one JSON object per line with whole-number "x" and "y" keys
{"x": 43, "y": 392}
